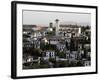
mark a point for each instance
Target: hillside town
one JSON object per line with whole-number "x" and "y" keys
{"x": 57, "y": 45}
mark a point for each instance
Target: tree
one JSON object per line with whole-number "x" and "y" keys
{"x": 79, "y": 63}
{"x": 61, "y": 54}
{"x": 48, "y": 47}
{"x": 63, "y": 63}
{"x": 52, "y": 60}
{"x": 72, "y": 64}
{"x": 35, "y": 52}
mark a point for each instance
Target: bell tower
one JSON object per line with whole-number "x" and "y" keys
{"x": 57, "y": 27}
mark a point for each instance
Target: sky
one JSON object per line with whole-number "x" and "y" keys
{"x": 44, "y": 18}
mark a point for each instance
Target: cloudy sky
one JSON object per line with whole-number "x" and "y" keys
{"x": 44, "y": 18}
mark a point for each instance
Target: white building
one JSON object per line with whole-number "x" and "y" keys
{"x": 36, "y": 43}
{"x": 87, "y": 63}
{"x": 69, "y": 30}
{"x": 48, "y": 54}
{"x": 53, "y": 41}
{"x": 61, "y": 47}
{"x": 73, "y": 55}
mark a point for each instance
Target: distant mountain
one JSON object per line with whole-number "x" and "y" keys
{"x": 75, "y": 23}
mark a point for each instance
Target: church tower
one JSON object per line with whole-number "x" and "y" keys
{"x": 57, "y": 27}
